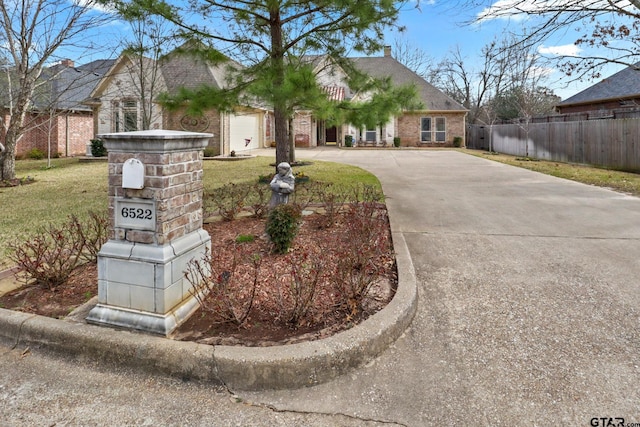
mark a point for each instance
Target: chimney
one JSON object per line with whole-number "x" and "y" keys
{"x": 387, "y": 51}
{"x": 67, "y": 63}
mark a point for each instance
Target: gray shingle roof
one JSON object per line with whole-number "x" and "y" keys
{"x": 99, "y": 67}
{"x": 181, "y": 70}
{"x": 623, "y": 84}
{"x": 432, "y": 98}
{"x": 67, "y": 87}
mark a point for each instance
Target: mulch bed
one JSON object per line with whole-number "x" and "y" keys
{"x": 266, "y": 325}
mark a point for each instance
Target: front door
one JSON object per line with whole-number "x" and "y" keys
{"x": 331, "y": 135}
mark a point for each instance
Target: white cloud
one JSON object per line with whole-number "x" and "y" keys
{"x": 543, "y": 71}
{"x": 92, "y": 4}
{"x": 513, "y": 9}
{"x": 521, "y": 9}
{"x": 562, "y": 50}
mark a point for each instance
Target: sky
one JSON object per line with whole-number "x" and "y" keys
{"x": 437, "y": 27}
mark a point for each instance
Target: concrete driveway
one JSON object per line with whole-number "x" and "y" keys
{"x": 529, "y": 299}
{"x": 529, "y": 314}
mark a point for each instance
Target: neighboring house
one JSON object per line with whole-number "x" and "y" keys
{"x": 118, "y": 103}
{"x": 441, "y": 120}
{"x": 613, "y": 96}
{"x": 58, "y": 121}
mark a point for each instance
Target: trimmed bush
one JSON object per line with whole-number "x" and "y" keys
{"x": 36, "y": 154}
{"x": 210, "y": 152}
{"x": 97, "y": 148}
{"x": 348, "y": 140}
{"x": 282, "y": 227}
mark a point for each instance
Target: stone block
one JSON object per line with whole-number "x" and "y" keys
{"x": 136, "y": 273}
{"x": 169, "y": 297}
{"x": 118, "y": 294}
{"x": 142, "y": 299}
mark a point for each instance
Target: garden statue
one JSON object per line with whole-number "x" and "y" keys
{"x": 282, "y": 185}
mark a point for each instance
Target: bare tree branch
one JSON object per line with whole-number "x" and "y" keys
{"x": 32, "y": 32}
{"x": 609, "y": 30}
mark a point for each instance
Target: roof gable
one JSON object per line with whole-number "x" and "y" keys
{"x": 331, "y": 78}
{"x": 431, "y": 97}
{"x": 182, "y": 68}
{"x": 623, "y": 84}
{"x": 112, "y": 71}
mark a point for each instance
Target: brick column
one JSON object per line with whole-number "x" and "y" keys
{"x": 155, "y": 206}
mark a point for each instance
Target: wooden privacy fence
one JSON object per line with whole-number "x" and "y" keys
{"x": 613, "y": 144}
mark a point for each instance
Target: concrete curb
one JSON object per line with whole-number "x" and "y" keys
{"x": 243, "y": 368}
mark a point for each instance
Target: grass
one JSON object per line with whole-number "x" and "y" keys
{"x": 70, "y": 187}
{"x": 624, "y": 182}
{"x": 219, "y": 173}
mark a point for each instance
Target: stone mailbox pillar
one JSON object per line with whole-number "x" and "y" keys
{"x": 155, "y": 206}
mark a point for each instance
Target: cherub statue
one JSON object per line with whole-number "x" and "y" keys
{"x": 282, "y": 184}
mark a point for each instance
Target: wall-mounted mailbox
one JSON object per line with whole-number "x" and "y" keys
{"x": 133, "y": 174}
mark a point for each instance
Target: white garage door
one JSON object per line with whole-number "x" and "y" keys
{"x": 244, "y": 132}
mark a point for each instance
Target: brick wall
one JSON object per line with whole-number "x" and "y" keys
{"x": 69, "y": 134}
{"x": 409, "y": 128}
{"x": 303, "y": 129}
{"x": 75, "y": 131}
{"x": 268, "y": 129}
{"x": 177, "y": 120}
{"x": 175, "y": 180}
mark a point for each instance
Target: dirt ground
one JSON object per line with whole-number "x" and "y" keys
{"x": 268, "y": 321}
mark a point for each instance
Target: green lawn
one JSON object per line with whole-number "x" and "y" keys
{"x": 624, "y": 182}
{"x": 71, "y": 187}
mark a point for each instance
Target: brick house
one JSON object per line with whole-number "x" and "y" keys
{"x": 614, "y": 96}
{"x": 58, "y": 120}
{"x": 440, "y": 122}
{"x": 117, "y": 102}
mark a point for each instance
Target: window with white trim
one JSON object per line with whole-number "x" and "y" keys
{"x": 433, "y": 129}
{"x": 425, "y": 129}
{"x": 130, "y": 115}
{"x": 370, "y": 135}
{"x": 125, "y": 116}
{"x": 441, "y": 129}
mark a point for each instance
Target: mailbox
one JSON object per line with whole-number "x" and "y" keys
{"x": 133, "y": 174}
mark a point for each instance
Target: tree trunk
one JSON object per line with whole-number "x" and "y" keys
{"x": 281, "y": 135}
{"x": 8, "y": 158}
{"x": 16, "y": 127}
{"x": 292, "y": 143}
{"x": 280, "y": 115}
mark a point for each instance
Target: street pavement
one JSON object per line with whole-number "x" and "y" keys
{"x": 528, "y": 314}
